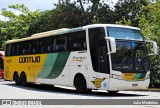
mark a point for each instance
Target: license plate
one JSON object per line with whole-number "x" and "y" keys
{"x": 134, "y": 85}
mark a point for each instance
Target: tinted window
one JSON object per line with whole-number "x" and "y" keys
{"x": 125, "y": 33}
{"x": 35, "y": 46}
{"x": 77, "y": 41}
{"x": 61, "y": 42}
{"x": 58, "y": 43}
{"x": 24, "y": 47}
{"x": 15, "y": 49}
{"x": 46, "y": 45}
{"x": 8, "y": 50}
{"x": 97, "y": 49}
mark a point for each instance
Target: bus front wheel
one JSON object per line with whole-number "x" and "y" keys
{"x": 80, "y": 85}
{"x": 23, "y": 79}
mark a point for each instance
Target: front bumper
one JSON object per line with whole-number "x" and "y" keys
{"x": 117, "y": 85}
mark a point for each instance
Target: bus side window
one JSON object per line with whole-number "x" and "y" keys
{"x": 49, "y": 48}
{"x": 8, "y": 50}
{"x": 24, "y": 51}
{"x": 46, "y": 44}
{"x": 85, "y": 45}
{"x": 60, "y": 47}
{"x": 77, "y": 46}
{"x": 33, "y": 50}
{"x": 61, "y": 42}
{"x": 24, "y": 48}
{"x": 14, "y": 49}
{"x": 34, "y": 47}
{"x": 77, "y": 41}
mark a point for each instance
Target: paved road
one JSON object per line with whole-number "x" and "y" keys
{"x": 8, "y": 90}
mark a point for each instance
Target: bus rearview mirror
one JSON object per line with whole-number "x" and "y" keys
{"x": 112, "y": 44}
{"x": 155, "y": 47}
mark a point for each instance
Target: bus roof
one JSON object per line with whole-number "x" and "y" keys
{"x": 110, "y": 25}
{"x": 67, "y": 30}
{"x": 50, "y": 32}
{"x": 46, "y": 34}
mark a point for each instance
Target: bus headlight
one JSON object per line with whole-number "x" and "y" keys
{"x": 117, "y": 76}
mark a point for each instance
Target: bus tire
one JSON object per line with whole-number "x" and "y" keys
{"x": 16, "y": 79}
{"x": 80, "y": 85}
{"x": 23, "y": 79}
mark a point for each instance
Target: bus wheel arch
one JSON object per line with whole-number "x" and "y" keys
{"x": 16, "y": 78}
{"x": 23, "y": 78}
{"x": 80, "y": 83}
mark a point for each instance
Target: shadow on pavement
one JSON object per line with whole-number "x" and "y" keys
{"x": 60, "y": 90}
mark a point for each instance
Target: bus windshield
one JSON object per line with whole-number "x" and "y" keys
{"x": 125, "y": 33}
{"x": 130, "y": 57}
{"x": 131, "y": 53}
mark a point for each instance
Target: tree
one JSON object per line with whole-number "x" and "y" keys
{"x": 97, "y": 11}
{"x": 41, "y": 24}
{"x": 2, "y": 36}
{"x": 65, "y": 15}
{"x": 150, "y": 24}
{"x": 17, "y": 25}
{"x": 129, "y": 10}
{"x": 69, "y": 14}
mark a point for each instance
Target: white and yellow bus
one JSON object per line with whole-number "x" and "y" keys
{"x": 99, "y": 56}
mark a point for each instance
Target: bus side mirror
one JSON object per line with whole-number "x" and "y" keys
{"x": 155, "y": 47}
{"x": 112, "y": 44}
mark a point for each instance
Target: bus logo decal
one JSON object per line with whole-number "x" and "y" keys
{"x": 97, "y": 82}
{"x": 78, "y": 59}
{"x": 35, "y": 59}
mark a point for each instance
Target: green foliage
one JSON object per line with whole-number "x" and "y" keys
{"x": 124, "y": 22}
{"x": 69, "y": 14}
{"x": 148, "y": 20}
{"x": 65, "y": 15}
{"x": 41, "y": 24}
{"x": 128, "y": 10}
{"x": 150, "y": 26}
{"x": 97, "y": 11}
{"x": 17, "y": 25}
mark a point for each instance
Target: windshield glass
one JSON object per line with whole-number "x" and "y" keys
{"x": 124, "y": 33}
{"x": 140, "y": 56}
{"x": 130, "y": 57}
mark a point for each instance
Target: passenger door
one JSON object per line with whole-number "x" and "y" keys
{"x": 103, "y": 66}
{"x": 99, "y": 69}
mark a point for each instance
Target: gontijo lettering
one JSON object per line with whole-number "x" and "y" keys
{"x": 31, "y": 59}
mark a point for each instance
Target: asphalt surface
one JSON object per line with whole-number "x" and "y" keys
{"x": 8, "y": 90}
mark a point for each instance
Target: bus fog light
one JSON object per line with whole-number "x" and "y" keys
{"x": 117, "y": 76}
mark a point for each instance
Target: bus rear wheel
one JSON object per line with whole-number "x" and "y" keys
{"x": 80, "y": 85}
{"x": 23, "y": 79}
{"x": 16, "y": 79}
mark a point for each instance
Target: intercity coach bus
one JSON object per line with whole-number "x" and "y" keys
{"x": 99, "y": 56}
